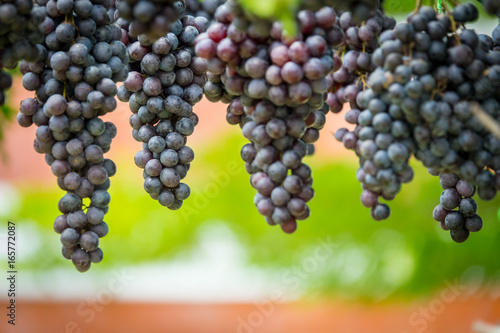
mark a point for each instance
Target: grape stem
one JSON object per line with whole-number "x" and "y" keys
{"x": 417, "y": 6}
{"x": 363, "y": 79}
{"x": 453, "y": 23}
{"x": 486, "y": 120}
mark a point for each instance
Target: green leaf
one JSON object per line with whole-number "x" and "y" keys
{"x": 7, "y": 111}
{"x": 283, "y": 10}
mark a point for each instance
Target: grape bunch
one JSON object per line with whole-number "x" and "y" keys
{"x": 19, "y": 31}
{"x": 356, "y": 46}
{"x": 74, "y": 78}
{"x": 151, "y": 18}
{"x": 19, "y": 35}
{"x": 457, "y": 194}
{"x": 361, "y": 9}
{"x": 205, "y": 8}
{"x": 214, "y": 89}
{"x": 277, "y": 87}
{"x": 232, "y": 18}
{"x": 416, "y": 89}
{"x": 165, "y": 82}
{"x": 431, "y": 75}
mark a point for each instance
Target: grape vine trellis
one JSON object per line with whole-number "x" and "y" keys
{"x": 426, "y": 88}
